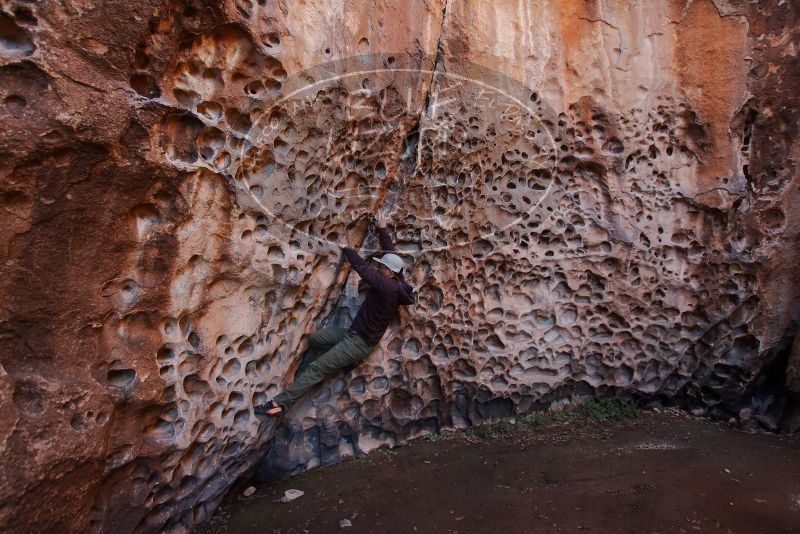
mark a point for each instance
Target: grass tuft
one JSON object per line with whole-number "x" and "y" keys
{"x": 591, "y": 410}
{"x": 532, "y": 420}
{"x": 493, "y": 430}
{"x": 605, "y": 410}
{"x": 588, "y": 411}
{"x": 433, "y": 436}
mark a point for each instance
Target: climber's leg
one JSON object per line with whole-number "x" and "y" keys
{"x": 349, "y": 350}
{"x": 326, "y": 338}
{"x": 319, "y": 342}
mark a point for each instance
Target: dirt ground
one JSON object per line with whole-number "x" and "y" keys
{"x": 662, "y": 472}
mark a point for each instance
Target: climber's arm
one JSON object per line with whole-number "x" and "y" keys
{"x": 386, "y": 240}
{"x": 367, "y": 273}
{"x": 384, "y": 236}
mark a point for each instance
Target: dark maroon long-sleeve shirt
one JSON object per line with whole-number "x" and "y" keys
{"x": 384, "y": 298}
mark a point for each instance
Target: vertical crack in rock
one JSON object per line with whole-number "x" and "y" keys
{"x": 410, "y": 149}
{"x": 440, "y": 57}
{"x": 408, "y": 158}
{"x": 409, "y": 153}
{"x": 439, "y": 64}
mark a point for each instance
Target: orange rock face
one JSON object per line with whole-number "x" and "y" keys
{"x": 592, "y": 198}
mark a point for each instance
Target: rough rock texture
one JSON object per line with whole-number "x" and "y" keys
{"x": 596, "y": 198}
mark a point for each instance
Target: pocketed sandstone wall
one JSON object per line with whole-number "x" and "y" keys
{"x": 593, "y": 198}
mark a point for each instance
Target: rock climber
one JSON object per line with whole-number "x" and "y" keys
{"x": 342, "y": 347}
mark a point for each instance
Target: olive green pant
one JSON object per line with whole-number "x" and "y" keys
{"x": 342, "y": 348}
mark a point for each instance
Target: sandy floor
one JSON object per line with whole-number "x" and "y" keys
{"x": 662, "y": 472}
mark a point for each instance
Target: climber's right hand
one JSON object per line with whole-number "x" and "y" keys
{"x": 381, "y": 220}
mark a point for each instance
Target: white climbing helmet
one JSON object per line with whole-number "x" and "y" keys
{"x": 392, "y": 261}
